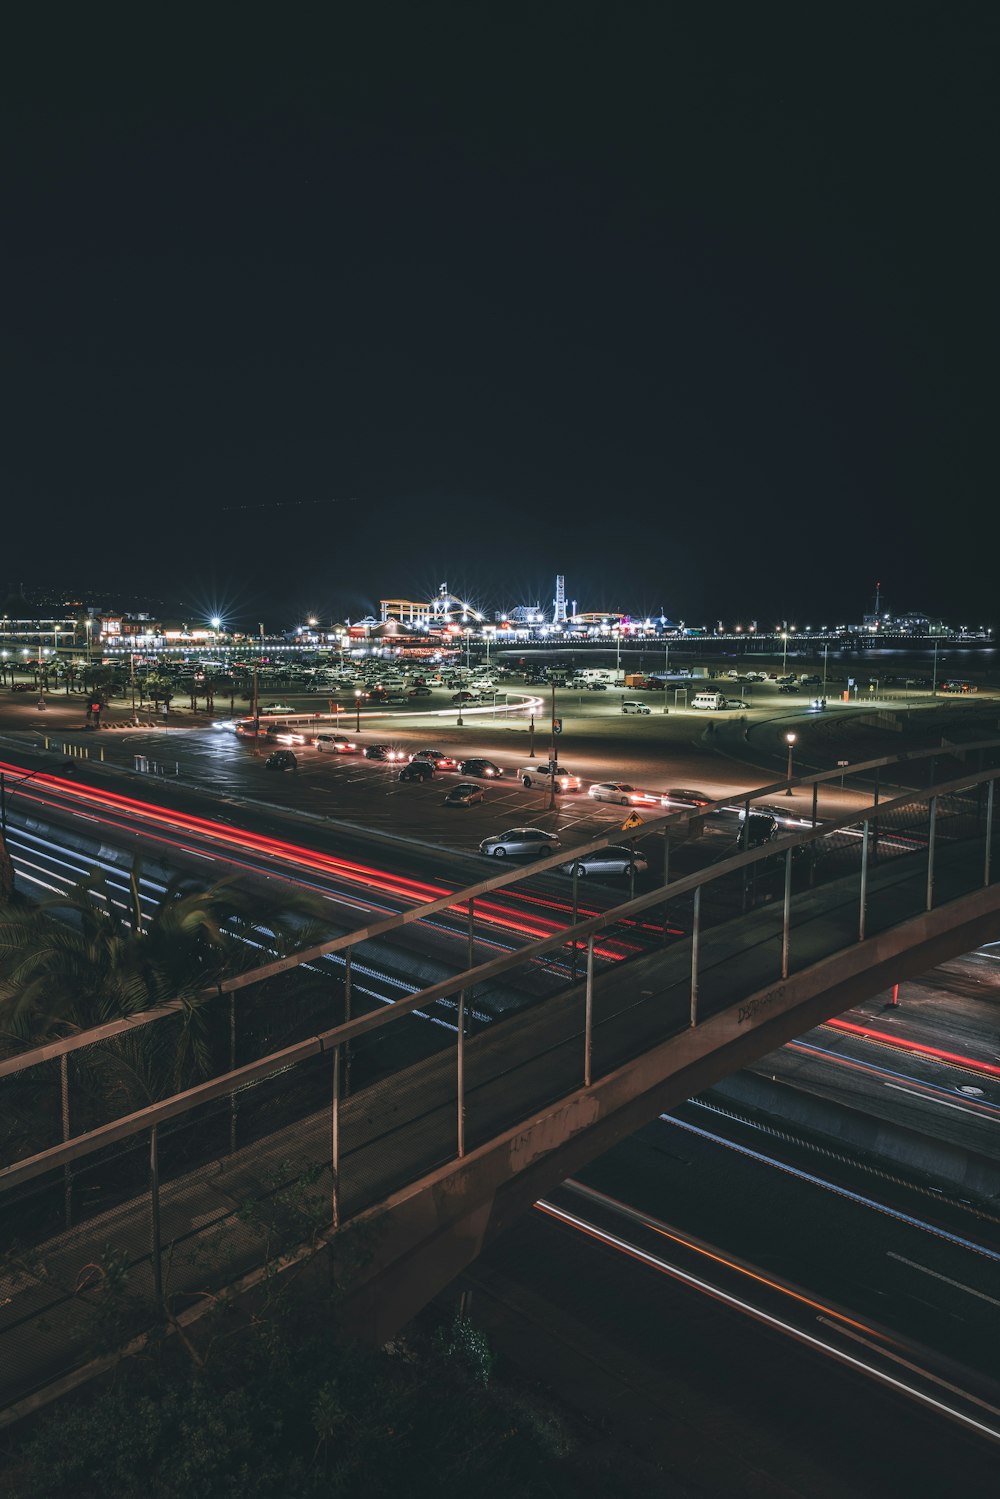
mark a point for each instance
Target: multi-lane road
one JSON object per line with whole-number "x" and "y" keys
{"x": 862, "y": 1276}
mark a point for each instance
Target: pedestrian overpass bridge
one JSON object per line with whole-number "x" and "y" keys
{"x": 473, "y": 1112}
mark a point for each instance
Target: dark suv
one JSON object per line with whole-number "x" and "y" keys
{"x": 281, "y": 760}
{"x": 486, "y": 770}
{"x": 417, "y": 770}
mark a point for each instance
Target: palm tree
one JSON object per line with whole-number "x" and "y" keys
{"x": 83, "y": 958}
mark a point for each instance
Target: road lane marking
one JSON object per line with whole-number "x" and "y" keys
{"x": 958, "y": 1284}
{"x": 914, "y": 1368}
{"x": 828, "y": 1186}
{"x": 769, "y": 1319}
{"x": 929, "y": 1099}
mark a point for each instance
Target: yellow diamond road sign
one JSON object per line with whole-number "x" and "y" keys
{"x": 633, "y": 820}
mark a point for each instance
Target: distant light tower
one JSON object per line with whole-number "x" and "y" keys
{"x": 559, "y": 602}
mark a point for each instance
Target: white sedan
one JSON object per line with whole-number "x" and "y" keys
{"x": 622, "y": 793}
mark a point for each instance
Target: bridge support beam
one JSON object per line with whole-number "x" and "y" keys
{"x": 428, "y": 1232}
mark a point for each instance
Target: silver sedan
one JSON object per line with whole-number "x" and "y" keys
{"x": 612, "y": 860}
{"x": 622, "y": 793}
{"x": 520, "y": 841}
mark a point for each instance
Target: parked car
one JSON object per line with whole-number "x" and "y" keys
{"x": 437, "y": 758}
{"x": 542, "y": 775}
{"x": 465, "y": 697}
{"x": 383, "y": 752}
{"x": 277, "y": 708}
{"x": 465, "y": 794}
{"x": 335, "y": 744}
{"x": 420, "y": 691}
{"x": 788, "y": 687}
{"x": 631, "y": 705}
{"x": 596, "y": 686}
{"x": 614, "y": 859}
{"x": 622, "y": 793}
{"x": 680, "y": 796}
{"x": 734, "y": 702}
{"x": 487, "y": 769}
{"x": 520, "y": 841}
{"x": 417, "y": 770}
{"x": 281, "y": 760}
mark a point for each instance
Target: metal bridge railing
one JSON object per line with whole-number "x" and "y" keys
{"x": 374, "y": 1095}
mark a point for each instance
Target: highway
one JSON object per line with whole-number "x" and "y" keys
{"x": 929, "y": 1062}
{"x": 911, "y": 1272}
{"x": 753, "y": 1319}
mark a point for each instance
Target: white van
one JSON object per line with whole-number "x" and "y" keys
{"x": 629, "y": 705}
{"x": 713, "y": 700}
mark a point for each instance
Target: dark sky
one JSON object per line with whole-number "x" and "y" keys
{"x": 696, "y": 304}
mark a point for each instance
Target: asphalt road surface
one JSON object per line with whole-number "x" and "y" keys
{"x": 754, "y": 1324}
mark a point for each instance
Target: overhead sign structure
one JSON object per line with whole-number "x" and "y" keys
{"x": 633, "y": 820}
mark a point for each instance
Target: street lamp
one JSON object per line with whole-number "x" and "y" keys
{"x": 825, "y": 649}
{"x": 357, "y": 709}
{"x": 790, "y": 739}
{"x": 68, "y": 769}
{"x": 666, "y": 672}
{"x": 784, "y": 652}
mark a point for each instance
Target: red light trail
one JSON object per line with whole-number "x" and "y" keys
{"x": 901, "y": 1043}
{"x": 401, "y": 886}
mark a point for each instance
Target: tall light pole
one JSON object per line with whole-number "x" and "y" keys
{"x": 784, "y": 652}
{"x": 790, "y": 740}
{"x": 68, "y": 769}
{"x": 357, "y": 709}
{"x": 553, "y": 757}
{"x": 825, "y": 649}
{"x": 934, "y": 679}
{"x": 666, "y": 672}
{"x": 618, "y": 653}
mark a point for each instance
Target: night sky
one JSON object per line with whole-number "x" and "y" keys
{"x": 695, "y": 304}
